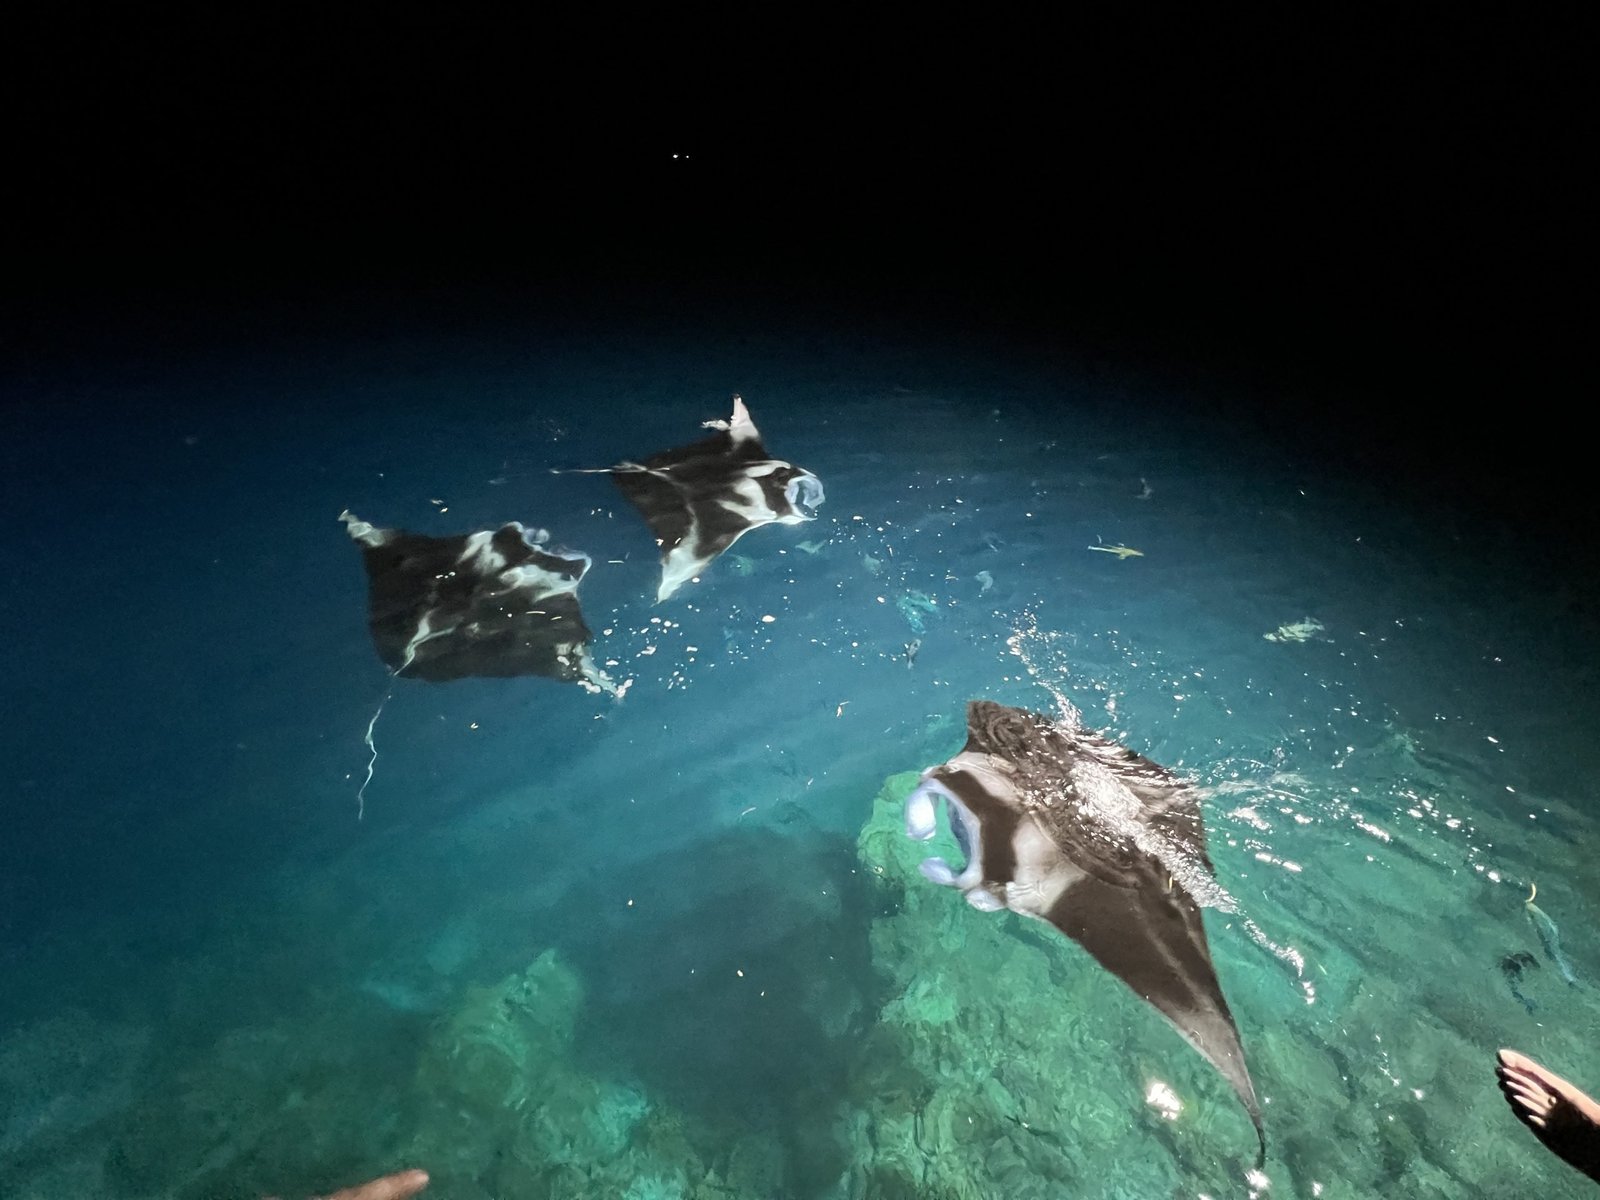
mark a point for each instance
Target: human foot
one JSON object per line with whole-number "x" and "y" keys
{"x": 1560, "y": 1114}
{"x": 400, "y": 1186}
{"x": 391, "y": 1187}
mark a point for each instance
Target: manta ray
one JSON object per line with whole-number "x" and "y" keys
{"x": 701, "y": 498}
{"x": 1066, "y": 826}
{"x": 492, "y": 602}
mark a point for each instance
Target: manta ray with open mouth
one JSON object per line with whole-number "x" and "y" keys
{"x": 1063, "y": 825}
{"x": 701, "y": 498}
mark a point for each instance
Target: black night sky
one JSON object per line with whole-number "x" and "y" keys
{"x": 1376, "y": 218}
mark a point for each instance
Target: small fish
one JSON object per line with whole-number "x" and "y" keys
{"x": 814, "y": 547}
{"x": 1549, "y": 937}
{"x": 914, "y": 645}
{"x": 1148, "y": 490}
{"x": 1123, "y": 553}
{"x": 985, "y": 581}
{"x": 1512, "y": 966}
{"x": 1302, "y": 630}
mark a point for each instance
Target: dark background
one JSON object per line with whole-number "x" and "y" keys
{"x": 1369, "y": 228}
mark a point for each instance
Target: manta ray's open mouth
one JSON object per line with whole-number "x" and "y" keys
{"x": 805, "y": 493}
{"x": 922, "y": 823}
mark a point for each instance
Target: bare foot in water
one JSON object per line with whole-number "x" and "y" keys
{"x": 399, "y": 1186}
{"x": 1561, "y": 1116}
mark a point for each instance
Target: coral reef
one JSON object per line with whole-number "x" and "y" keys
{"x": 846, "y": 1032}
{"x": 63, "y": 1079}
{"x": 507, "y": 1111}
{"x": 510, "y": 1111}
{"x": 61, "y": 1075}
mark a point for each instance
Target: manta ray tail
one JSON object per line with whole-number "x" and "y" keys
{"x": 621, "y": 468}
{"x": 372, "y": 762}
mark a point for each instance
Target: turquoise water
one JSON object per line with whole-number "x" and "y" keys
{"x": 676, "y": 946}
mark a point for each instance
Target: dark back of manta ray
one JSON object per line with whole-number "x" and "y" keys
{"x": 493, "y": 630}
{"x": 701, "y": 474}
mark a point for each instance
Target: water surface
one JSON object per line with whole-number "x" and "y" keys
{"x": 673, "y": 947}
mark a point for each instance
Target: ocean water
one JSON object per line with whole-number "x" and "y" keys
{"x": 675, "y": 946}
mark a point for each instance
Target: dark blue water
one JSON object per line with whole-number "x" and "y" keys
{"x": 674, "y": 946}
